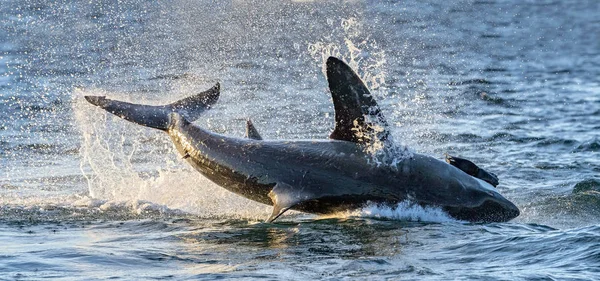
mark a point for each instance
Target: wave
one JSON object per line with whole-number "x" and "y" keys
{"x": 579, "y": 207}
{"x": 476, "y": 81}
{"x": 592, "y": 145}
{"x": 86, "y": 209}
{"x": 588, "y": 186}
{"x": 89, "y": 209}
{"x": 536, "y": 251}
{"x": 495, "y": 69}
{"x": 552, "y": 141}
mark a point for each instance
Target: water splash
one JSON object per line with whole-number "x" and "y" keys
{"x": 123, "y": 162}
{"x": 365, "y": 57}
{"x": 404, "y": 211}
{"x": 380, "y": 146}
{"x": 361, "y": 54}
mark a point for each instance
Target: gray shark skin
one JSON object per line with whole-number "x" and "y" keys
{"x": 319, "y": 176}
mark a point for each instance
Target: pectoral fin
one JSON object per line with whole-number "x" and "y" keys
{"x": 284, "y": 197}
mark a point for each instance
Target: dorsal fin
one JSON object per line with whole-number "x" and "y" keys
{"x": 251, "y": 131}
{"x": 357, "y": 115}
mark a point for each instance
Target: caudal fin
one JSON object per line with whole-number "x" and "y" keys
{"x": 158, "y": 116}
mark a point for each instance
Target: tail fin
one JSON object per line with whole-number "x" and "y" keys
{"x": 158, "y": 116}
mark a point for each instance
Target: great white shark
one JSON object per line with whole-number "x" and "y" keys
{"x": 327, "y": 175}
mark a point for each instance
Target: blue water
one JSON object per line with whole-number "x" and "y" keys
{"x": 512, "y": 85}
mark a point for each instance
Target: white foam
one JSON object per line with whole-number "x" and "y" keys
{"x": 403, "y": 211}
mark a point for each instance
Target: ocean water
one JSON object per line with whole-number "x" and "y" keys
{"x": 512, "y": 85}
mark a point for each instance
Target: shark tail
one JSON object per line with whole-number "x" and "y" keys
{"x": 158, "y": 117}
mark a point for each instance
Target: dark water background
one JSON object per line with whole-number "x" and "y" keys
{"x": 511, "y": 85}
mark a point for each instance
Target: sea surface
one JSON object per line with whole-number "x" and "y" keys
{"x": 512, "y": 85}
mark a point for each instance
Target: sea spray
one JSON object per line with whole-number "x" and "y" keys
{"x": 123, "y": 162}
{"x": 359, "y": 51}
{"x": 364, "y": 56}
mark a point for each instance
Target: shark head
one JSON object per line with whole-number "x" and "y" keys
{"x": 491, "y": 207}
{"x": 479, "y": 201}
{"x": 431, "y": 182}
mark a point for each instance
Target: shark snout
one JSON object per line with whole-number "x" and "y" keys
{"x": 494, "y": 208}
{"x": 500, "y": 209}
